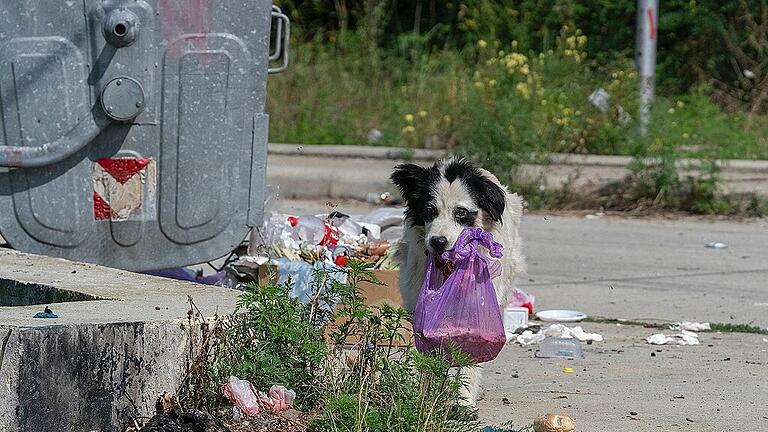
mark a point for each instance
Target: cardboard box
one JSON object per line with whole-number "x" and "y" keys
{"x": 388, "y": 293}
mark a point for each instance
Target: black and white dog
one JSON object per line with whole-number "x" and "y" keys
{"x": 440, "y": 202}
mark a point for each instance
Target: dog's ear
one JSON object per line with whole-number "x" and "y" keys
{"x": 410, "y": 179}
{"x": 491, "y": 198}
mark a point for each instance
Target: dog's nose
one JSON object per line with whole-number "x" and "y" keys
{"x": 438, "y": 243}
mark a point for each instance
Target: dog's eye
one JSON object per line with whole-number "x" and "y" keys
{"x": 460, "y": 213}
{"x": 430, "y": 212}
{"x": 464, "y": 217}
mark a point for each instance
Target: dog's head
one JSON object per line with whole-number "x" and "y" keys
{"x": 448, "y": 197}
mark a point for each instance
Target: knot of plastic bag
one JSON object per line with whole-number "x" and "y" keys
{"x": 467, "y": 244}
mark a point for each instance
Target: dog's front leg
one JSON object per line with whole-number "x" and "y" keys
{"x": 410, "y": 255}
{"x": 471, "y": 389}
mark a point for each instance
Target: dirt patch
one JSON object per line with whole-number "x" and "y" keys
{"x": 170, "y": 417}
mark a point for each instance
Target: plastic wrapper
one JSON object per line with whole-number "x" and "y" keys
{"x": 241, "y": 394}
{"x": 522, "y": 299}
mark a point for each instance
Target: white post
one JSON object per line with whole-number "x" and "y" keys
{"x": 645, "y": 56}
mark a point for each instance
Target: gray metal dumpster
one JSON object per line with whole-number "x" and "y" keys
{"x": 133, "y": 133}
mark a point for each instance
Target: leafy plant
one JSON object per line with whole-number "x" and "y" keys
{"x": 349, "y": 362}
{"x": 273, "y": 341}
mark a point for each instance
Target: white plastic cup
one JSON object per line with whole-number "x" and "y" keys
{"x": 514, "y": 318}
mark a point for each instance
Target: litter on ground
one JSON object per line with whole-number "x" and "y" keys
{"x": 529, "y": 337}
{"x": 690, "y": 326}
{"x": 559, "y": 315}
{"x": 685, "y": 337}
{"x": 562, "y": 331}
{"x": 47, "y": 313}
{"x": 716, "y": 245}
{"x": 242, "y": 395}
{"x": 554, "y": 423}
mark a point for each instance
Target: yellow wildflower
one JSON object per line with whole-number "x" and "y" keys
{"x": 671, "y": 110}
{"x": 408, "y": 118}
{"x": 523, "y": 89}
{"x": 482, "y": 44}
{"x": 409, "y": 129}
{"x": 479, "y": 84}
{"x": 680, "y": 104}
{"x": 422, "y": 113}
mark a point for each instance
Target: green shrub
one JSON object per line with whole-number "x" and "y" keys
{"x": 275, "y": 339}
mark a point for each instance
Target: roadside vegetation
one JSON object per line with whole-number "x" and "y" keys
{"x": 350, "y": 366}
{"x": 508, "y": 82}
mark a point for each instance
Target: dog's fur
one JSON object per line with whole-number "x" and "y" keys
{"x": 440, "y": 202}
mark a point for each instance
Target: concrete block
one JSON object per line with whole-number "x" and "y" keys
{"x": 102, "y": 361}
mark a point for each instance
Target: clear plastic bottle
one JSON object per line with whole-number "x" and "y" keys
{"x": 560, "y": 347}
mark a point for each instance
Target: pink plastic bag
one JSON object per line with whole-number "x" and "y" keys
{"x": 240, "y": 392}
{"x": 522, "y": 299}
{"x": 242, "y": 395}
{"x": 462, "y": 308}
{"x": 279, "y": 399}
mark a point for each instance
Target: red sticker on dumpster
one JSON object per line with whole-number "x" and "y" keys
{"x": 123, "y": 188}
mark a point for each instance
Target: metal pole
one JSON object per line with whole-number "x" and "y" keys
{"x": 645, "y": 56}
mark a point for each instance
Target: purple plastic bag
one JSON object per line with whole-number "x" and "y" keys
{"x": 462, "y": 308}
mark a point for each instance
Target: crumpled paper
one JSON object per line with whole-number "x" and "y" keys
{"x": 529, "y": 338}
{"x": 685, "y": 337}
{"x": 690, "y": 326}
{"x": 562, "y": 331}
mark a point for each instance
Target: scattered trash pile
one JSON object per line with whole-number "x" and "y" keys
{"x": 557, "y": 340}
{"x": 294, "y": 246}
{"x": 334, "y": 237}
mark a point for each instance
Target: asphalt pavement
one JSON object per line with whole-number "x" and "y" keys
{"x": 656, "y": 270}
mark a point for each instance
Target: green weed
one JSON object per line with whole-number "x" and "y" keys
{"x": 344, "y": 362}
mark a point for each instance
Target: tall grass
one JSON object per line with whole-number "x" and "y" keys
{"x": 338, "y": 92}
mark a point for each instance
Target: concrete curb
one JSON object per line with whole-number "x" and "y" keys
{"x": 398, "y": 153}
{"x": 339, "y": 171}
{"x": 370, "y": 152}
